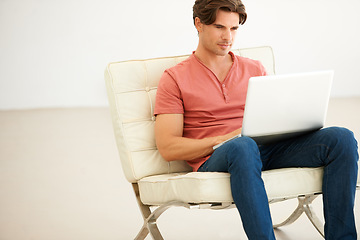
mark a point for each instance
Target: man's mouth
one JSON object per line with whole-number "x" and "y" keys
{"x": 224, "y": 45}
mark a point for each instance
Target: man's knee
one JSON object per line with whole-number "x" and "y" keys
{"x": 243, "y": 146}
{"x": 339, "y": 135}
{"x": 243, "y": 153}
{"x": 342, "y": 143}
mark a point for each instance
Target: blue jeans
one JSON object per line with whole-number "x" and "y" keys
{"x": 334, "y": 148}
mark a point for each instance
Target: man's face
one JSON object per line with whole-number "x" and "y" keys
{"x": 217, "y": 38}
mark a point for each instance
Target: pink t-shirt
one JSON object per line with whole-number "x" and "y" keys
{"x": 210, "y": 108}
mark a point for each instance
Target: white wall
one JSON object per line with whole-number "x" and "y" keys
{"x": 53, "y": 53}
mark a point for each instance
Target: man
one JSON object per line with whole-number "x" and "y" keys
{"x": 200, "y": 103}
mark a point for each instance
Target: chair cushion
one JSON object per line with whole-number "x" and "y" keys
{"x": 214, "y": 187}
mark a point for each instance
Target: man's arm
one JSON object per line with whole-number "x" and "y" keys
{"x": 173, "y": 146}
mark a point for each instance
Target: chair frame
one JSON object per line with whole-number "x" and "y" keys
{"x": 150, "y": 217}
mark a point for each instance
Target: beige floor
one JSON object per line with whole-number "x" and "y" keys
{"x": 61, "y": 179}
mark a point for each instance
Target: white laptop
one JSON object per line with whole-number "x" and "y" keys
{"x": 283, "y": 106}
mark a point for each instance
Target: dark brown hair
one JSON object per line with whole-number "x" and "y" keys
{"x": 206, "y": 10}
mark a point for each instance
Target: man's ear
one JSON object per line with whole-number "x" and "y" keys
{"x": 198, "y": 24}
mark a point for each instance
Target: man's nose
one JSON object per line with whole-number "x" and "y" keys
{"x": 227, "y": 35}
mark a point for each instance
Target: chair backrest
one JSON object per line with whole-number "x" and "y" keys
{"x": 131, "y": 87}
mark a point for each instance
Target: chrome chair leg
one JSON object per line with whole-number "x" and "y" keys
{"x": 308, "y": 209}
{"x": 304, "y": 206}
{"x": 150, "y": 218}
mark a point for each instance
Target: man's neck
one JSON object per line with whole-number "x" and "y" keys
{"x": 212, "y": 60}
{"x": 218, "y": 64}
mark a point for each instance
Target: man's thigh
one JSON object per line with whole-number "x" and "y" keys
{"x": 308, "y": 150}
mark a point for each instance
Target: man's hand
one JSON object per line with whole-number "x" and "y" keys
{"x": 229, "y": 135}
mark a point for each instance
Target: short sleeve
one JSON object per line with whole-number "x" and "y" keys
{"x": 262, "y": 69}
{"x": 259, "y": 69}
{"x": 168, "y": 96}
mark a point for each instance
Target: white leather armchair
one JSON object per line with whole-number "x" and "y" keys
{"x": 131, "y": 88}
